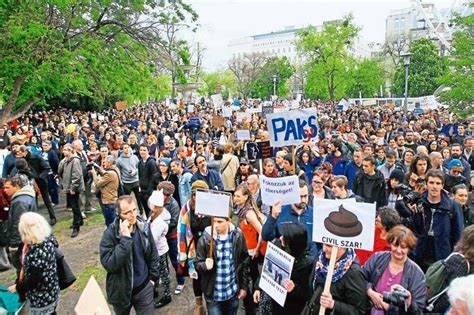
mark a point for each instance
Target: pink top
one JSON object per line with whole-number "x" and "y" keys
{"x": 386, "y": 281}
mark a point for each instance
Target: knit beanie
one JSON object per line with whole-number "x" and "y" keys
{"x": 199, "y": 184}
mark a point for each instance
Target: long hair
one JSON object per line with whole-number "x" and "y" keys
{"x": 250, "y": 201}
{"x": 33, "y": 228}
{"x": 465, "y": 244}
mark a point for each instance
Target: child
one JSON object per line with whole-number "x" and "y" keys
{"x": 159, "y": 220}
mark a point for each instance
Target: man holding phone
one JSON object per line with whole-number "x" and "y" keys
{"x": 128, "y": 254}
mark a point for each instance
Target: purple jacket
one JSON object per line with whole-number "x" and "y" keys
{"x": 413, "y": 278}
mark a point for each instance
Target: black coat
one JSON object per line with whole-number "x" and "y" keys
{"x": 116, "y": 255}
{"x": 240, "y": 257}
{"x": 349, "y": 293}
{"x": 38, "y": 166}
{"x": 370, "y": 188}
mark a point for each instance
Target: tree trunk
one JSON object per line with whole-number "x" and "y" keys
{"x": 8, "y": 113}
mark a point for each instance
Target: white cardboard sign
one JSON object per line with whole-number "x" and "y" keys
{"x": 344, "y": 223}
{"x": 243, "y": 134}
{"x": 277, "y": 267}
{"x": 217, "y": 100}
{"x": 212, "y": 203}
{"x": 299, "y": 126}
{"x": 283, "y": 189}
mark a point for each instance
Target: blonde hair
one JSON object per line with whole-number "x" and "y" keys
{"x": 33, "y": 228}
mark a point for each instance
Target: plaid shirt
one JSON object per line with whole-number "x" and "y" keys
{"x": 226, "y": 282}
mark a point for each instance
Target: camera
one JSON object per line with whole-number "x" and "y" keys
{"x": 92, "y": 165}
{"x": 409, "y": 196}
{"x": 397, "y": 297}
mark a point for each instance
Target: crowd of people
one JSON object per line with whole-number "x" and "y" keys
{"x": 143, "y": 166}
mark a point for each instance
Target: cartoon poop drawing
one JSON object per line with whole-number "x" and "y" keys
{"x": 343, "y": 223}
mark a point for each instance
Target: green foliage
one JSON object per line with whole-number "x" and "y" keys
{"x": 460, "y": 77}
{"x": 328, "y": 60}
{"x": 262, "y": 86}
{"x": 161, "y": 87}
{"x": 426, "y": 67}
{"x": 94, "y": 49}
{"x": 222, "y": 81}
{"x": 365, "y": 77}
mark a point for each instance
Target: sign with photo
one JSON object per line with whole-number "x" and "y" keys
{"x": 277, "y": 268}
{"x": 344, "y": 223}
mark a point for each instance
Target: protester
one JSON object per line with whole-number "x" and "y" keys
{"x": 461, "y": 296}
{"x": 128, "y": 254}
{"x": 370, "y": 183}
{"x": 461, "y": 195}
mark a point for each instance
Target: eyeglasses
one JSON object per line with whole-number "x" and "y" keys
{"x": 317, "y": 183}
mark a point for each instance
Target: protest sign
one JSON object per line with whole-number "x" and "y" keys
{"x": 299, "y": 126}
{"x": 295, "y": 104}
{"x": 92, "y": 300}
{"x": 217, "y": 100}
{"x": 369, "y": 102}
{"x": 190, "y": 108}
{"x": 258, "y": 150}
{"x": 252, "y": 110}
{"x": 277, "y": 267}
{"x": 122, "y": 105}
{"x": 267, "y": 108}
{"x": 284, "y": 189}
{"x": 241, "y": 116}
{"x": 213, "y": 203}
{"x": 218, "y": 121}
{"x": 227, "y": 111}
{"x": 243, "y": 134}
{"x": 346, "y": 223}
{"x": 343, "y": 105}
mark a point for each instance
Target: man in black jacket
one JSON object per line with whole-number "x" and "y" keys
{"x": 224, "y": 277}
{"x": 369, "y": 184}
{"x": 146, "y": 169}
{"x": 129, "y": 255}
{"x": 39, "y": 170}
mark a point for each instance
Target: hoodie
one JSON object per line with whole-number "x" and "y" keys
{"x": 128, "y": 166}
{"x": 371, "y": 188}
{"x": 22, "y": 201}
{"x": 159, "y": 228}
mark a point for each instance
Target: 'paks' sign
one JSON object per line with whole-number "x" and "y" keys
{"x": 293, "y": 127}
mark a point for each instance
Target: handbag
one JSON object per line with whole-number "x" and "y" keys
{"x": 183, "y": 270}
{"x": 65, "y": 275}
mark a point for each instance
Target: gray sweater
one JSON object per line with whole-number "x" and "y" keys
{"x": 128, "y": 166}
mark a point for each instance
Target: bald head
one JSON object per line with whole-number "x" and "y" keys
{"x": 436, "y": 159}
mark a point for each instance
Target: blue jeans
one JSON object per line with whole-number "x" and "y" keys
{"x": 173, "y": 253}
{"x": 53, "y": 189}
{"x": 109, "y": 211}
{"x": 228, "y": 307}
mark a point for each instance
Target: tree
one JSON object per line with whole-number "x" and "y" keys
{"x": 222, "y": 81}
{"x": 246, "y": 71}
{"x": 366, "y": 77}
{"x": 327, "y": 57}
{"x": 395, "y": 46}
{"x": 262, "y": 86}
{"x": 426, "y": 67}
{"x": 84, "y": 48}
{"x": 460, "y": 77}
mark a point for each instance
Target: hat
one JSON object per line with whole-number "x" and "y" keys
{"x": 157, "y": 199}
{"x": 199, "y": 184}
{"x": 398, "y": 174}
{"x": 165, "y": 160}
{"x": 167, "y": 187}
{"x": 455, "y": 163}
{"x": 244, "y": 161}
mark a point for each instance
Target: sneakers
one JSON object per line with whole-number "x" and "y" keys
{"x": 75, "y": 232}
{"x": 179, "y": 289}
{"x": 163, "y": 301}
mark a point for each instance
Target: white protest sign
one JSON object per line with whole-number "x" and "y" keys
{"x": 241, "y": 116}
{"x": 217, "y": 100}
{"x": 295, "y": 104}
{"x": 212, "y": 203}
{"x": 346, "y": 223}
{"x": 284, "y": 189}
{"x": 277, "y": 267}
{"x": 227, "y": 111}
{"x": 252, "y": 110}
{"x": 92, "y": 300}
{"x": 101, "y": 117}
{"x": 190, "y": 108}
{"x": 299, "y": 126}
{"x": 243, "y": 134}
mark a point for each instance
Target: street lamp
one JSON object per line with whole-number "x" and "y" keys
{"x": 274, "y": 84}
{"x": 406, "y": 61}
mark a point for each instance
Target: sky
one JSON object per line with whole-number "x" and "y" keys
{"x": 222, "y": 21}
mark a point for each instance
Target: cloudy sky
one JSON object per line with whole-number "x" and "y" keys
{"x": 224, "y": 20}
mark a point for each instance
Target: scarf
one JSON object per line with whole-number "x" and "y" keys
{"x": 340, "y": 267}
{"x": 241, "y": 212}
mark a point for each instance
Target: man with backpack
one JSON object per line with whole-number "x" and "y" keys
{"x": 72, "y": 182}
{"x": 438, "y": 224}
{"x": 108, "y": 185}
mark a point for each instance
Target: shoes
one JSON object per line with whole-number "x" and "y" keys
{"x": 83, "y": 214}
{"x": 179, "y": 289}
{"x": 163, "y": 301}
{"x": 75, "y": 232}
{"x": 91, "y": 209}
{"x": 53, "y": 221}
{"x": 80, "y": 224}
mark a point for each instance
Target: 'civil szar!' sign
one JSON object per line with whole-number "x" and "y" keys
{"x": 344, "y": 223}
{"x": 299, "y": 126}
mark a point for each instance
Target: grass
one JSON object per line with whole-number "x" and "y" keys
{"x": 95, "y": 270}
{"x": 62, "y": 231}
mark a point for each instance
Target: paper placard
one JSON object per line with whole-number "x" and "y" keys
{"x": 92, "y": 300}
{"x": 213, "y": 203}
{"x": 226, "y": 111}
{"x": 344, "y": 223}
{"x": 252, "y": 110}
{"x": 241, "y": 116}
{"x": 299, "y": 126}
{"x": 258, "y": 150}
{"x": 217, "y": 100}
{"x": 277, "y": 267}
{"x": 122, "y": 105}
{"x": 243, "y": 134}
{"x": 284, "y": 189}
{"x": 190, "y": 108}
{"x": 218, "y": 121}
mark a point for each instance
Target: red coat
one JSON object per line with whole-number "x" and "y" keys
{"x": 380, "y": 245}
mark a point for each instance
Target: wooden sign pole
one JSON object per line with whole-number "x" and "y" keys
{"x": 211, "y": 244}
{"x": 327, "y": 284}
{"x": 294, "y": 159}
{"x": 260, "y": 164}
